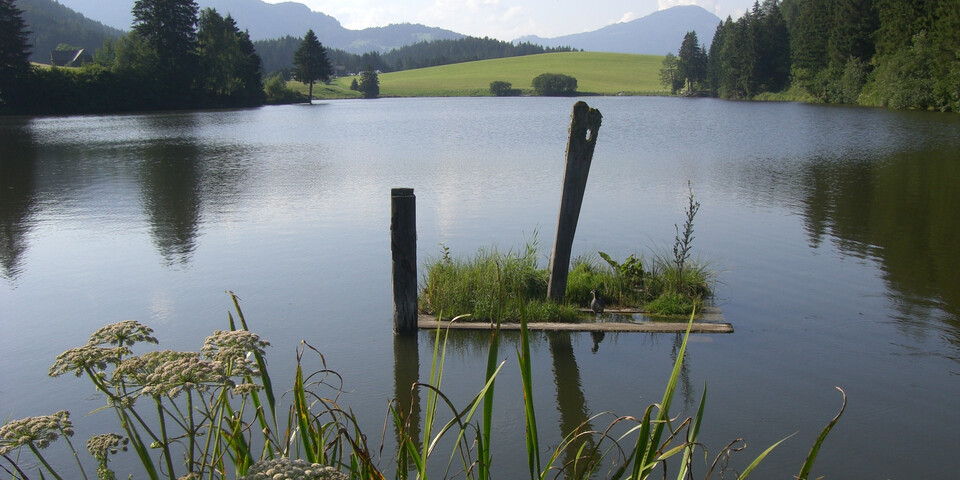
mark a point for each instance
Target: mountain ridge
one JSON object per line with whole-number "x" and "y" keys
{"x": 658, "y": 33}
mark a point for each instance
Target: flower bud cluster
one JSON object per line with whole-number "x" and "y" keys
{"x": 291, "y": 469}
{"x": 106, "y": 444}
{"x": 233, "y": 348}
{"x": 37, "y": 431}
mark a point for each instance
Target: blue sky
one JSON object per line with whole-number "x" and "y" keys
{"x": 507, "y": 19}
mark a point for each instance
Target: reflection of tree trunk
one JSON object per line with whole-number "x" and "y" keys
{"x": 406, "y": 371}
{"x": 570, "y": 401}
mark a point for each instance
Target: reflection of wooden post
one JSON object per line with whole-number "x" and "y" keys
{"x": 584, "y": 125}
{"x": 406, "y": 372}
{"x": 403, "y": 244}
{"x": 572, "y": 404}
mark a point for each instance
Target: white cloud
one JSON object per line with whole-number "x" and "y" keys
{"x": 629, "y": 16}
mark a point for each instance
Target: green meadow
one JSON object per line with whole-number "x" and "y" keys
{"x": 596, "y": 74}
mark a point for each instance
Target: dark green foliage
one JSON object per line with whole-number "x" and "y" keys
{"x": 354, "y": 85}
{"x": 500, "y": 88}
{"x": 310, "y": 62}
{"x": 773, "y": 49}
{"x": 852, "y": 34}
{"x": 278, "y": 93}
{"x": 713, "y": 59}
{"x": 229, "y": 71}
{"x": 369, "y": 84}
{"x": 168, "y": 27}
{"x": 691, "y": 62}
{"x": 670, "y": 73}
{"x": 14, "y": 52}
{"x": 895, "y": 53}
{"x": 554, "y": 85}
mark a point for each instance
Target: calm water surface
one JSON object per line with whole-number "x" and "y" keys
{"x": 834, "y": 230}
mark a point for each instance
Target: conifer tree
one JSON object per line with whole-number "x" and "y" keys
{"x": 168, "y": 28}
{"x": 691, "y": 62}
{"x": 369, "y": 84}
{"x": 310, "y": 62}
{"x": 14, "y": 51}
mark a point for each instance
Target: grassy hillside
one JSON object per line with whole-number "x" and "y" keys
{"x": 596, "y": 73}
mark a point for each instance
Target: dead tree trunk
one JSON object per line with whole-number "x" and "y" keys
{"x": 584, "y": 126}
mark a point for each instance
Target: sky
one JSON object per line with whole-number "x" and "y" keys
{"x": 507, "y": 19}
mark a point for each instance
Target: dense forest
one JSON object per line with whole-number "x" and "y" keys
{"x": 174, "y": 57}
{"x": 894, "y": 53}
{"x": 50, "y": 24}
{"x": 277, "y": 54}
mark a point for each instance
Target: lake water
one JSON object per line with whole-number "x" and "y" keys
{"x": 834, "y": 230}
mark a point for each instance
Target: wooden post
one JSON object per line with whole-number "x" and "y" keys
{"x": 584, "y": 126}
{"x": 403, "y": 244}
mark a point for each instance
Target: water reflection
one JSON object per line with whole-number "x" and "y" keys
{"x": 406, "y": 372}
{"x": 571, "y": 403}
{"x": 17, "y": 195}
{"x": 171, "y": 197}
{"x": 901, "y": 211}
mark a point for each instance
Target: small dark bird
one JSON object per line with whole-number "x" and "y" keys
{"x": 596, "y": 304}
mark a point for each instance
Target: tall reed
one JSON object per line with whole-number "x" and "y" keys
{"x": 217, "y": 417}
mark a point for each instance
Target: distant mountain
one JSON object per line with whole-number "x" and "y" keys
{"x": 656, "y": 34}
{"x": 51, "y": 24}
{"x": 268, "y": 21}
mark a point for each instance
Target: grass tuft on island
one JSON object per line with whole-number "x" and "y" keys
{"x": 507, "y": 285}
{"x": 491, "y": 283}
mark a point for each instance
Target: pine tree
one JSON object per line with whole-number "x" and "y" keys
{"x": 851, "y": 37}
{"x": 691, "y": 62}
{"x": 369, "y": 84}
{"x": 713, "y": 58}
{"x": 773, "y": 49}
{"x": 310, "y": 62}
{"x": 168, "y": 27}
{"x": 230, "y": 70}
{"x": 670, "y": 73}
{"x": 14, "y": 51}
{"x": 810, "y": 37}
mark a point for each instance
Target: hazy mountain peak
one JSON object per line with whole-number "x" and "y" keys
{"x": 659, "y": 33}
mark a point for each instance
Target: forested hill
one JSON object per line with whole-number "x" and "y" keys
{"x": 51, "y": 24}
{"x": 278, "y": 54}
{"x": 893, "y": 53}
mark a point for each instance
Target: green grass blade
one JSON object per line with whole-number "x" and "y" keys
{"x": 812, "y": 456}
{"x": 302, "y": 412}
{"x": 643, "y": 445}
{"x": 663, "y": 417}
{"x": 747, "y": 471}
{"x": 491, "y": 371}
{"x": 533, "y": 441}
{"x": 692, "y": 437}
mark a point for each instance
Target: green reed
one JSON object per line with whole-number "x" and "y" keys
{"x": 217, "y": 417}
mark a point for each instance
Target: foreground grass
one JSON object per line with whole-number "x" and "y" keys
{"x": 596, "y": 73}
{"x": 214, "y": 414}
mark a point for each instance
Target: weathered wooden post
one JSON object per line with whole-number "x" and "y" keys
{"x": 403, "y": 244}
{"x": 584, "y": 126}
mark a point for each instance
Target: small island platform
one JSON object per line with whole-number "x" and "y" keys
{"x": 710, "y": 320}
